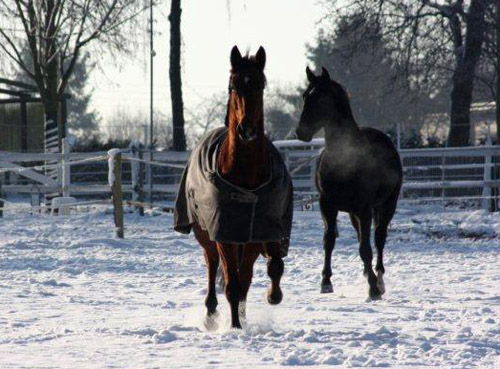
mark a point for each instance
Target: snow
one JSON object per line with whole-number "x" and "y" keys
{"x": 72, "y": 295}
{"x": 111, "y": 165}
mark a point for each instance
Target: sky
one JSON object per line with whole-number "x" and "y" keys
{"x": 209, "y": 29}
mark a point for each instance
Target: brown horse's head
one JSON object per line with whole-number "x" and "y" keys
{"x": 245, "y": 110}
{"x": 325, "y": 102}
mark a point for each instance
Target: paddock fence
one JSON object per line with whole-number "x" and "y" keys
{"x": 466, "y": 177}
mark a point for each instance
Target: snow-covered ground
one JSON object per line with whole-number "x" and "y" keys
{"x": 73, "y": 296}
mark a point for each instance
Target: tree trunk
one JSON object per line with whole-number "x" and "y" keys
{"x": 463, "y": 75}
{"x": 179, "y": 137}
{"x": 50, "y": 101}
{"x": 497, "y": 92}
{"x": 51, "y": 130}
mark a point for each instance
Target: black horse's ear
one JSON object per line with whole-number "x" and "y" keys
{"x": 260, "y": 58}
{"x": 324, "y": 73}
{"x": 235, "y": 57}
{"x": 310, "y": 75}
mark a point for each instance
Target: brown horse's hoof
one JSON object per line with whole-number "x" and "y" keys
{"x": 326, "y": 288}
{"x": 242, "y": 310}
{"x": 274, "y": 297}
{"x": 210, "y": 322}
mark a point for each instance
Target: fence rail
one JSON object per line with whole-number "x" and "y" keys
{"x": 468, "y": 176}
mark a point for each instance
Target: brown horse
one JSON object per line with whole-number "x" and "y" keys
{"x": 243, "y": 161}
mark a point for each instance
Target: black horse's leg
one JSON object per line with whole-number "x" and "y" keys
{"x": 355, "y": 224}
{"x": 366, "y": 253}
{"x": 275, "y": 269}
{"x": 329, "y": 215}
{"x": 382, "y": 216}
{"x": 229, "y": 257}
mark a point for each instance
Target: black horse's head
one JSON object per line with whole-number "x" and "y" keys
{"x": 325, "y": 102}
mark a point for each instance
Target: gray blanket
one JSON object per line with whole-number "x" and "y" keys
{"x": 229, "y": 213}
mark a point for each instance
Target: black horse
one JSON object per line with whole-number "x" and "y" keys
{"x": 358, "y": 172}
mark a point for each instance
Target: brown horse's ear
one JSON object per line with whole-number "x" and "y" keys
{"x": 235, "y": 57}
{"x": 310, "y": 75}
{"x": 324, "y": 73}
{"x": 260, "y": 58}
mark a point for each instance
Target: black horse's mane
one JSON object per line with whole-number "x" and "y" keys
{"x": 345, "y": 104}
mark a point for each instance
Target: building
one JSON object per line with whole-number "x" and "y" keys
{"x": 22, "y": 118}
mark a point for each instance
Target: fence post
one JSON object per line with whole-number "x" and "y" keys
{"x": 398, "y": 135}
{"x": 115, "y": 182}
{"x": 137, "y": 168}
{"x": 487, "y": 177}
{"x": 443, "y": 177}
{"x": 66, "y": 168}
{"x": 313, "y": 175}
{"x": 1, "y": 201}
{"x": 150, "y": 176}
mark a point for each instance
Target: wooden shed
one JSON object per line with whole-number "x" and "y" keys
{"x": 22, "y": 117}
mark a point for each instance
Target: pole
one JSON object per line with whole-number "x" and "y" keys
{"x": 398, "y": 134}
{"x": 66, "y": 168}
{"x": 151, "y": 122}
{"x": 1, "y": 201}
{"x": 115, "y": 182}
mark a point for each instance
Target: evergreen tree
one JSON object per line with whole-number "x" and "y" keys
{"x": 83, "y": 120}
{"x": 357, "y": 56}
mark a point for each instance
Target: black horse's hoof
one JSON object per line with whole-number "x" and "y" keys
{"x": 374, "y": 294}
{"x": 236, "y": 326}
{"x": 326, "y": 288}
{"x": 274, "y": 297}
{"x": 380, "y": 282}
{"x": 210, "y": 322}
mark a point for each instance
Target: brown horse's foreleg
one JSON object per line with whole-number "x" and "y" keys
{"x": 229, "y": 257}
{"x": 212, "y": 261}
{"x": 250, "y": 253}
{"x": 275, "y": 268}
{"x": 366, "y": 253}
{"x": 329, "y": 215}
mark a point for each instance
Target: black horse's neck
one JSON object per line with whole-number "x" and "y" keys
{"x": 342, "y": 134}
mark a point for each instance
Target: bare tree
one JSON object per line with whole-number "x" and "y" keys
{"x": 431, "y": 40}
{"x": 207, "y": 115}
{"x": 56, "y": 32}
{"x": 283, "y": 105}
{"x": 175, "y": 76}
{"x": 125, "y": 125}
{"x": 489, "y": 70}
{"x": 497, "y": 66}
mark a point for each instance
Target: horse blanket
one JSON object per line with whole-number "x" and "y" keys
{"x": 229, "y": 213}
